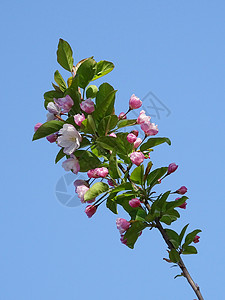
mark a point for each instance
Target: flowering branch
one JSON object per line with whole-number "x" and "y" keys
{"x": 88, "y": 134}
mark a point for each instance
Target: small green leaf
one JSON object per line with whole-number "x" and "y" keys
{"x": 48, "y": 128}
{"x": 190, "y": 237}
{"x": 137, "y": 175}
{"x": 65, "y": 55}
{"x": 103, "y": 68}
{"x": 173, "y": 237}
{"x": 97, "y": 189}
{"x": 87, "y": 160}
{"x": 159, "y": 203}
{"x": 153, "y": 177}
{"x": 112, "y": 205}
{"x": 174, "y": 256}
{"x": 60, "y": 155}
{"x": 189, "y": 250}
{"x": 124, "y": 187}
{"x": 113, "y": 166}
{"x": 152, "y": 142}
{"x": 91, "y": 91}
{"x": 182, "y": 233}
{"x": 86, "y": 72}
{"x": 60, "y": 81}
{"x": 107, "y": 124}
{"x": 134, "y": 232}
{"x": 176, "y": 203}
{"x": 124, "y": 123}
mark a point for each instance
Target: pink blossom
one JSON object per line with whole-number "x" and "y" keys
{"x": 123, "y": 241}
{"x": 182, "y": 205}
{"x": 134, "y": 102}
{"x": 196, "y": 239}
{"x": 90, "y": 210}
{"x": 137, "y": 158}
{"x": 78, "y": 119}
{"x": 137, "y": 143}
{"x": 149, "y": 128}
{"x": 113, "y": 135}
{"x": 172, "y": 168}
{"x": 135, "y": 202}
{"x": 87, "y": 106}
{"x": 122, "y": 225}
{"x": 71, "y": 163}
{"x": 37, "y": 126}
{"x": 81, "y": 187}
{"x": 143, "y": 118}
{"x": 122, "y": 116}
{"x": 135, "y": 132}
{"x": 182, "y": 190}
{"x": 52, "y": 138}
{"x": 69, "y": 139}
{"x": 65, "y": 103}
{"x": 98, "y": 172}
{"x": 131, "y": 138}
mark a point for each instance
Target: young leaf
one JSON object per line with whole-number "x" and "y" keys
{"x": 97, "y": 189}
{"x": 86, "y": 72}
{"x": 65, "y": 55}
{"x": 113, "y": 166}
{"x": 107, "y": 124}
{"x": 112, "y": 205}
{"x": 60, "y": 81}
{"x": 103, "y": 68}
{"x": 124, "y": 187}
{"x": 152, "y": 142}
{"x": 189, "y": 250}
{"x": 47, "y": 129}
{"x": 174, "y": 256}
{"x": 153, "y": 177}
{"x": 60, "y": 155}
{"x": 190, "y": 237}
{"x": 182, "y": 233}
{"x": 124, "y": 123}
{"x": 173, "y": 237}
{"x": 176, "y": 203}
{"x": 134, "y": 232}
{"x": 137, "y": 175}
{"x": 87, "y": 160}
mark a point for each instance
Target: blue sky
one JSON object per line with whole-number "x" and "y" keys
{"x": 173, "y": 49}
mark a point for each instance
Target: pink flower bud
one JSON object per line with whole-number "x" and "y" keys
{"x": 81, "y": 187}
{"x": 149, "y": 128}
{"x": 131, "y": 138}
{"x": 78, "y": 119}
{"x": 98, "y": 172}
{"x": 135, "y": 132}
{"x": 172, "y": 168}
{"x": 135, "y": 202}
{"x": 110, "y": 182}
{"x": 134, "y": 102}
{"x": 137, "y": 158}
{"x": 137, "y": 143}
{"x": 52, "y": 138}
{"x": 182, "y": 205}
{"x": 196, "y": 239}
{"x": 182, "y": 190}
{"x": 113, "y": 135}
{"x": 122, "y": 225}
{"x": 65, "y": 103}
{"x": 87, "y": 106}
{"x": 123, "y": 241}
{"x": 122, "y": 116}
{"x": 37, "y": 126}
{"x": 143, "y": 118}
{"x": 90, "y": 210}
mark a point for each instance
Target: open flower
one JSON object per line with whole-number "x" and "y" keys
{"x": 65, "y": 103}
{"x": 71, "y": 163}
{"x": 143, "y": 118}
{"x": 149, "y": 128}
{"x": 69, "y": 139}
{"x": 53, "y": 108}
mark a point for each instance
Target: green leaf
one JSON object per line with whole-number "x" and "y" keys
{"x": 50, "y": 95}
{"x": 152, "y": 142}
{"x": 159, "y": 203}
{"x": 60, "y": 155}
{"x": 65, "y": 55}
{"x": 173, "y": 237}
{"x": 113, "y": 166}
{"x": 87, "y": 160}
{"x": 123, "y": 187}
{"x": 133, "y": 233}
{"x": 189, "y": 250}
{"x": 60, "y": 81}
{"x": 174, "y": 256}
{"x": 137, "y": 175}
{"x": 97, "y": 189}
{"x": 91, "y": 91}
{"x": 112, "y": 205}
{"x": 190, "y": 237}
{"x": 105, "y": 99}
{"x": 88, "y": 125}
{"x": 103, "y": 68}
{"x": 153, "y": 177}
{"x": 169, "y": 216}
{"x": 107, "y": 124}
{"x": 48, "y": 128}
{"x": 176, "y": 203}
{"x": 86, "y": 72}
{"x": 124, "y": 123}
{"x": 182, "y": 233}
{"x": 138, "y": 214}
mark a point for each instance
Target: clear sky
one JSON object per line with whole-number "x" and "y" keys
{"x": 173, "y": 49}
